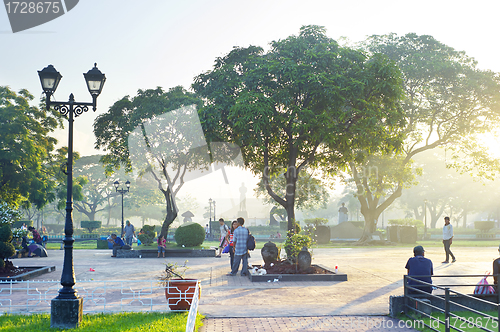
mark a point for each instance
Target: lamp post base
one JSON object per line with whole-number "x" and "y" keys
{"x": 66, "y": 313}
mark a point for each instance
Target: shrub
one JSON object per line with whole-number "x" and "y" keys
{"x": 294, "y": 244}
{"x": 407, "y": 222}
{"x": 189, "y": 235}
{"x": 148, "y": 235}
{"x": 6, "y": 248}
{"x": 90, "y": 224}
{"x": 56, "y": 228}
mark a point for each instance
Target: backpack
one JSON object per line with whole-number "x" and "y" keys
{"x": 483, "y": 287}
{"x": 250, "y": 242}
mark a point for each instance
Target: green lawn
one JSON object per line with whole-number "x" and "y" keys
{"x": 129, "y": 321}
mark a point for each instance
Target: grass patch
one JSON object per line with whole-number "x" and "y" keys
{"x": 464, "y": 322}
{"x": 126, "y": 321}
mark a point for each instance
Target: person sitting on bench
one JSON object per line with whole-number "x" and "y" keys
{"x": 117, "y": 244}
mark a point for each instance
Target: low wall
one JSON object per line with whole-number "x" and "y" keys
{"x": 153, "y": 253}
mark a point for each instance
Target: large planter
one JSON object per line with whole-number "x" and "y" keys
{"x": 322, "y": 234}
{"x": 392, "y": 233}
{"x": 407, "y": 234}
{"x": 179, "y": 293}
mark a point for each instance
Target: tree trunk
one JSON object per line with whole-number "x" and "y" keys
{"x": 171, "y": 212}
{"x": 370, "y": 208}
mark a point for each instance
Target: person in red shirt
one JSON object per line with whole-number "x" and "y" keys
{"x": 36, "y": 236}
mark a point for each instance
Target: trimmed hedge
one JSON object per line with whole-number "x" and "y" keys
{"x": 148, "y": 236}
{"x": 190, "y": 235}
{"x": 90, "y": 224}
{"x": 19, "y": 223}
{"x": 484, "y": 225}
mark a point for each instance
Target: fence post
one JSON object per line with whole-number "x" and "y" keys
{"x": 498, "y": 302}
{"x": 405, "y": 282}
{"x": 447, "y": 309}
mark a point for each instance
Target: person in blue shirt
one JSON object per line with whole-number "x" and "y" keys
{"x": 117, "y": 243}
{"x": 240, "y": 237}
{"x": 422, "y": 269}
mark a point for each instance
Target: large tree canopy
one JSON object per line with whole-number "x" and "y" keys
{"x": 25, "y": 150}
{"x": 447, "y": 101}
{"x": 153, "y": 133}
{"x": 307, "y": 102}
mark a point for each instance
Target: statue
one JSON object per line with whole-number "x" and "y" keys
{"x": 243, "y": 197}
{"x": 343, "y": 214}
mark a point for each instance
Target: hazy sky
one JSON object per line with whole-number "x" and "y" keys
{"x": 150, "y": 43}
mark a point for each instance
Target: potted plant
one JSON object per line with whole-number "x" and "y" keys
{"x": 178, "y": 290}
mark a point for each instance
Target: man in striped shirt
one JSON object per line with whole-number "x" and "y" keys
{"x": 240, "y": 238}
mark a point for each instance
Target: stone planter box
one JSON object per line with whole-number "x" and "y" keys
{"x": 329, "y": 276}
{"x": 38, "y": 271}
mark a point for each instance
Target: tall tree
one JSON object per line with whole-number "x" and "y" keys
{"x": 448, "y": 102}
{"x": 25, "y": 149}
{"x": 307, "y": 102}
{"x": 155, "y": 132}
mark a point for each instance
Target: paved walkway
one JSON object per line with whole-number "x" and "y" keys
{"x": 328, "y": 323}
{"x": 236, "y": 304}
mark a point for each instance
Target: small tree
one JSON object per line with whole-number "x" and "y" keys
{"x": 90, "y": 224}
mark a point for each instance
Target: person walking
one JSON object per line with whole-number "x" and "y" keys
{"x": 422, "y": 269}
{"x": 223, "y": 233}
{"x": 447, "y": 240}
{"x": 129, "y": 233}
{"x": 240, "y": 238}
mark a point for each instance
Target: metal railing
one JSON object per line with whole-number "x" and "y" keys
{"x": 445, "y": 297}
{"x": 99, "y": 296}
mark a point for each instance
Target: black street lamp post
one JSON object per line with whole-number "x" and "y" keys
{"x": 425, "y": 219}
{"x": 214, "y": 211}
{"x": 210, "y": 224}
{"x": 67, "y": 307}
{"x": 122, "y": 192}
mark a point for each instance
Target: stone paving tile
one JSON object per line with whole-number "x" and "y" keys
{"x": 295, "y": 324}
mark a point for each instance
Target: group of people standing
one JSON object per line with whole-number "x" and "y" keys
{"x": 234, "y": 240}
{"x": 421, "y": 268}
